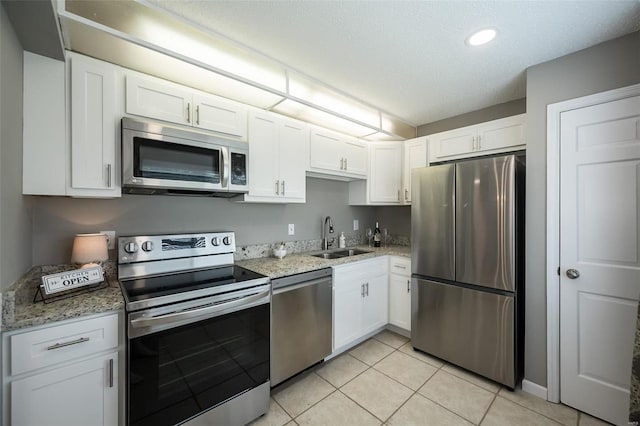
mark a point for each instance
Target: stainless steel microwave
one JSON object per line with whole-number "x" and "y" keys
{"x": 164, "y": 159}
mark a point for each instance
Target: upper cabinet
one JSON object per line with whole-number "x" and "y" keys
{"x": 503, "y": 135}
{"x": 96, "y": 89}
{"x": 384, "y": 179}
{"x": 80, "y": 151}
{"x": 162, "y": 100}
{"x": 415, "y": 156}
{"x": 336, "y": 156}
{"x": 277, "y": 159}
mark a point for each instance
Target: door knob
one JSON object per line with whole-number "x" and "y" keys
{"x": 573, "y": 273}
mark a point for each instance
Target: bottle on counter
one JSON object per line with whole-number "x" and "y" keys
{"x": 342, "y": 240}
{"x": 376, "y": 236}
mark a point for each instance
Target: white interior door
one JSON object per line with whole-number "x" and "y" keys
{"x": 599, "y": 235}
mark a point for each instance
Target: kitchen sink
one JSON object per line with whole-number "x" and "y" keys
{"x": 340, "y": 254}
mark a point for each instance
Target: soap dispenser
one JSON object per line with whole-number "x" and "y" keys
{"x": 342, "y": 240}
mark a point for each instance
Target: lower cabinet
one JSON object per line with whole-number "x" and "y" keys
{"x": 66, "y": 373}
{"x": 400, "y": 292}
{"x": 360, "y": 300}
{"x": 83, "y": 393}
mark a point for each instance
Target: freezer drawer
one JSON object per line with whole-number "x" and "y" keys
{"x": 470, "y": 328}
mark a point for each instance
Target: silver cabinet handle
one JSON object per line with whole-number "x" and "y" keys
{"x": 111, "y": 373}
{"x": 400, "y": 266}
{"x": 188, "y": 112}
{"x": 283, "y": 188}
{"x": 198, "y": 114}
{"x": 65, "y": 344}
{"x": 408, "y": 286}
{"x": 277, "y": 187}
{"x": 362, "y": 290}
{"x": 109, "y": 175}
{"x": 367, "y": 289}
{"x": 473, "y": 140}
{"x": 573, "y": 273}
{"x": 479, "y": 142}
{"x": 398, "y": 195}
{"x": 345, "y": 164}
{"x": 406, "y": 194}
{"x": 342, "y": 164}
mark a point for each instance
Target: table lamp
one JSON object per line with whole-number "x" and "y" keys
{"x": 89, "y": 249}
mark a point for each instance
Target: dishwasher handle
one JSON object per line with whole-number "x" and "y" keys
{"x": 302, "y": 284}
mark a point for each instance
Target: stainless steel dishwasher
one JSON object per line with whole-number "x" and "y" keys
{"x": 301, "y": 325}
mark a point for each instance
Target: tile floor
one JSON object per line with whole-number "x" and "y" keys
{"x": 384, "y": 381}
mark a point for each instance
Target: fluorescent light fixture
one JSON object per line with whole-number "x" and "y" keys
{"x": 312, "y": 115}
{"x": 304, "y": 89}
{"x": 481, "y": 37}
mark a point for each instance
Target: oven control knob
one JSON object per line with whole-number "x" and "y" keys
{"x": 226, "y": 241}
{"x": 147, "y": 246}
{"x": 215, "y": 241}
{"x": 131, "y": 247}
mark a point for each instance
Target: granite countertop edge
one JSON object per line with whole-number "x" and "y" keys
{"x": 298, "y": 263}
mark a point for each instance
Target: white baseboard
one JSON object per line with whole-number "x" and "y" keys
{"x": 534, "y": 389}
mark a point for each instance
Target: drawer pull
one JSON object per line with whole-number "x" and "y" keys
{"x": 400, "y": 266}
{"x": 72, "y": 342}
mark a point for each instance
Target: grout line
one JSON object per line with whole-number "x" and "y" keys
{"x": 539, "y": 413}
{"x": 495, "y": 396}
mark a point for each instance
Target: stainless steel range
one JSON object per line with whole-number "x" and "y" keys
{"x": 198, "y": 331}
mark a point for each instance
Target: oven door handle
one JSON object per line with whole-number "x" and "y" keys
{"x": 196, "y": 312}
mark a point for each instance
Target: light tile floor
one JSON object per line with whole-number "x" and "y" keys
{"x": 384, "y": 381}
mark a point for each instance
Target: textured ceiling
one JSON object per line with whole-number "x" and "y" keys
{"x": 409, "y": 58}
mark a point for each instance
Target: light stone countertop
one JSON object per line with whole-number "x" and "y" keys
{"x": 19, "y": 310}
{"x": 304, "y": 262}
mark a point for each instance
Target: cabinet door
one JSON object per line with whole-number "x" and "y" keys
{"x": 453, "y": 143}
{"x": 347, "y": 310}
{"x": 385, "y": 177}
{"x": 356, "y": 156}
{"x": 263, "y": 155}
{"x": 400, "y": 301}
{"x": 94, "y": 121}
{"x": 84, "y": 393}
{"x": 415, "y": 155}
{"x": 159, "y": 99}
{"x": 499, "y": 134}
{"x": 376, "y": 303}
{"x": 325, "y": 151}
{"x": 220, "y": 115}
{"x": 294, "y": 139}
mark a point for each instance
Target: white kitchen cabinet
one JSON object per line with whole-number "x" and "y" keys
{"x": 360, "y": 300}
{"x": 65, "y": 373}
{"x": 497, "y": 136}
{"x": 400, "y": 292}
{"x": 336, "y": 156}
{"x": 384, "y": 178}
{"x": 163, "y": 100}
{"x": 96, "y": 88}
{"x": 415, "y": 156}
{"x": 84, "y": 393}
{"x": 277, "y": 159}
{"x": 71, "y": 142}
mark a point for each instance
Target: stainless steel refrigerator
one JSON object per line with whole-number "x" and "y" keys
{"x": 467, "y": 230}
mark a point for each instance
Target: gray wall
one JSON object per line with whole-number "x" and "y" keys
{"x": 603, "y": 67}
{"x": 494, "y": 112}
{"x": 56, "y": 220}
{"x": 15, "y": 216}
{"x": 396, "y": 219}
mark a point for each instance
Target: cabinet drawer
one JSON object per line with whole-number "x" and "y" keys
{"x": 400, "y": 265}
{"x": 53, "y": 345}
{"x": 362, "y": 269}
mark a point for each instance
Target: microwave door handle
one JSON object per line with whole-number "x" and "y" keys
{"x": 224, "y": 170}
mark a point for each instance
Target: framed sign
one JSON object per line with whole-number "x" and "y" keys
{"x": 70, "y": 280}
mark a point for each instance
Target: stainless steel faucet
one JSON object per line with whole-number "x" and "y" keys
{"x": 326, "y": 243}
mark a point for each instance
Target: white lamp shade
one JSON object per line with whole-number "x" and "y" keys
{"x": 89, "y": 248}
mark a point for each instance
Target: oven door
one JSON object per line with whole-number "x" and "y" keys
{"x": 153, "y": 160}
{"x": 215, "y": 352}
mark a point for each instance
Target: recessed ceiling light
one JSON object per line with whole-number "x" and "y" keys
{"x": 481, "y": 37}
